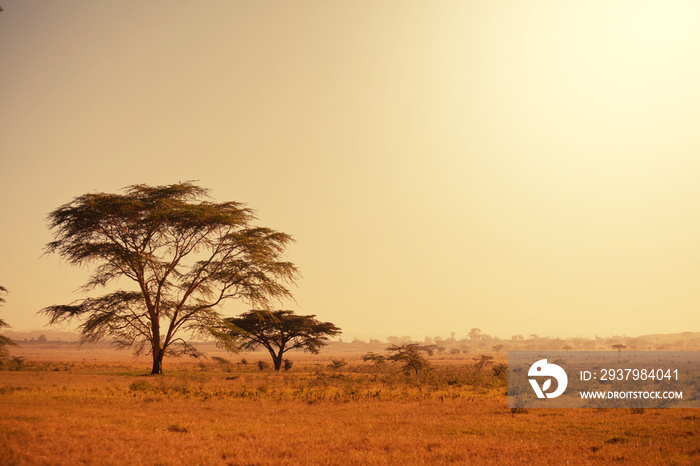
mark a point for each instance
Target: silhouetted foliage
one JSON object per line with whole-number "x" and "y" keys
{"x": 619, "y": 347}
{"x": 4, "y": 341}
{"x": 483, "y": 360}
{"x": 379, "y": 360}
{"x": 337, "y": 364}
{"x": 185, "y": 256}
{"x": 409, "y": 357}
{"x": 225, "y": 364}
{"x": 500, "y": 369}
{"x": 281, "y": 331}
{"x": 474, "y": 334}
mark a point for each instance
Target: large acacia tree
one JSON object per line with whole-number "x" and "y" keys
{"x": 184, "y": 256}
{"x": 281, "y": 331}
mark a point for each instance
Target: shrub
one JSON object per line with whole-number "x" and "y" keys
{"x": 14, "y": 363}
{"x": 337, "y": 364}
{"x": 225, "y": 364}
{"x": 140, "y": 386}
{"x": 500, "y": 369}
{"x": 482, "y": 361}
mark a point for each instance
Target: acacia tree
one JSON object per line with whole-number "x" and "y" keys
{"x": 281, "y": 331}
{"x": 409, "y": 356}
{"x": 619, "y": 347}
{"x": 4, "y": 341}
{"x": 184, "y": 256}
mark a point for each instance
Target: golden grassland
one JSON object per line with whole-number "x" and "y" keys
{"x": 109, "y": 412}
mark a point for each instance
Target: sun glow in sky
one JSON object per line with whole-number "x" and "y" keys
{"x": 521, "y": 167}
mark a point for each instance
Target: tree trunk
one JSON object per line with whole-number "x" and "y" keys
{"x": 157, "y": 361}
{"x": 278, "y": 361}
{"x": 156, "y": 348}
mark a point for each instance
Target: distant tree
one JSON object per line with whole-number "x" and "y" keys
{"x": 280, "y": 331}
{"x": 474, "y": 334}
{"x": 568, "y": 348}
{"x": 455, "y": 351}
{"x": 482, "y": 360}
{"x": 497, "y": 348}
{"x": 517, "y": 338}
{"x": 409, "y": 357}
{"x": 619, "y": 347}
{"x": 429, "y": 349}
{"x": 184, "y": 255}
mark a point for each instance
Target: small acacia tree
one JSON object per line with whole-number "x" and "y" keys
{"x": 379, "y": 360}
{"x": 409, "y": 357}
{"x": 4, "y": 341}
{"x": 619, "y": 347}
{"x": 184, "y": 255}
{"x": 281, "y": 331}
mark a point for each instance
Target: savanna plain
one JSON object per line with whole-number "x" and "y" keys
{"x": 64, "y": 406}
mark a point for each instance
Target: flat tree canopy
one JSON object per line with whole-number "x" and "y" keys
{"x": 281, "y": 331}
{"x": 184, "y": 255}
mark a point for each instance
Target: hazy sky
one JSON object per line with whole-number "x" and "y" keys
{"x": 517, "y": 166}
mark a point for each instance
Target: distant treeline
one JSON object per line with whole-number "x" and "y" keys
{"x": 478, "y": 342}
{"x": 475, "y": 342}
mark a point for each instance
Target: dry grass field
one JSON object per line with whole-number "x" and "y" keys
{"x": 102, "y": 411}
